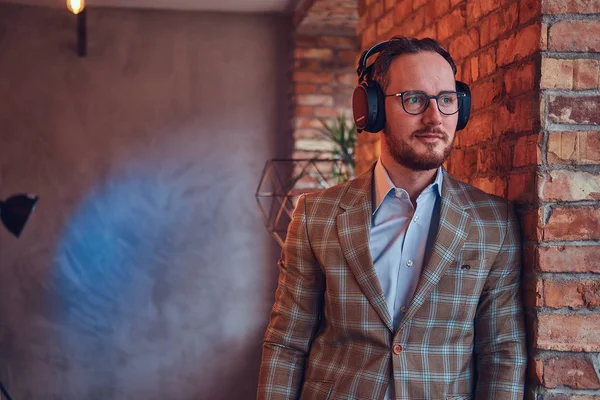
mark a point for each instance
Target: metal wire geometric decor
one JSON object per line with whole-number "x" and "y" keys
{"x": 284, "y": 179}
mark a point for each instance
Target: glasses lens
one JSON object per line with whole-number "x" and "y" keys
{"x": 414, "y": 102}
{"x": 448, "y": 103}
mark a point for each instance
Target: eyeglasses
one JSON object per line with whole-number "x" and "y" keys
{"x": 415, "y": 102}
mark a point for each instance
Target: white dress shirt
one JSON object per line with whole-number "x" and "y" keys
{"x": 400, "y": 234}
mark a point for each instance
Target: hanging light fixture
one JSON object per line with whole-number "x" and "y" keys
{"x": 77, "y": 7}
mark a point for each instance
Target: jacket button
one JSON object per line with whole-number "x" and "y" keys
{"x": 397, "y": 349}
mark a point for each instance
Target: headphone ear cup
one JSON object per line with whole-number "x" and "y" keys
{"x": 368, "y": 107}
{"x": 464, "y": 110}
{"x": 376, "y": 99}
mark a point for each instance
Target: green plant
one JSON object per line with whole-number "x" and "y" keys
{"x": 343, "y": 134}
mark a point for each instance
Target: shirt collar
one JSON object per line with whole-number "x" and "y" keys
{"x": 383, "y": 184}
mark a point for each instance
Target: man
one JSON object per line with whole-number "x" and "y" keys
{"x": 403, "y": 283}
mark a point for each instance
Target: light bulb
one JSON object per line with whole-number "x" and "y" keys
{"x": 76, "y": 6}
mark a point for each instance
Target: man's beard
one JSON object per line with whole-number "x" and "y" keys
{"x": 405, "y": 155}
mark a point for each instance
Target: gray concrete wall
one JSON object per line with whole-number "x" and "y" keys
{"x": 145, "y": 272}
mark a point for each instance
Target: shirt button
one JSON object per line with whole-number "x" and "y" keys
{"x": 403, "y": 308}
{"x": 409, "y": 263}
{"x": 397, "y": 349}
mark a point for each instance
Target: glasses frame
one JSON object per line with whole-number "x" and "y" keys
{"x": 459, "y": 96}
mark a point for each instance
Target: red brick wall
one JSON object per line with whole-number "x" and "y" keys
{"x": 324, "y": 77}
{"x": 566, "y": 252}
{"x": 534, "y": 137}
{"x": 324, "y": 71}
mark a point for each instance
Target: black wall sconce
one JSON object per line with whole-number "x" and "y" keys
{"x": 77, "y": 7}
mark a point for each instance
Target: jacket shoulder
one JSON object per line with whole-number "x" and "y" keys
{"x": 483, "y": 205}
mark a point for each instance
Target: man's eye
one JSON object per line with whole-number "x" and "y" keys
{"x": 413, "y": 99}
{"x": 447, "y": 99}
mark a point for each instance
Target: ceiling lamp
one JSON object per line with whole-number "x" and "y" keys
{"x": 77, "y": 7}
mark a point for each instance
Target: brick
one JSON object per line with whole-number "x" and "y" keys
{"x": 465, "y": 44}
{"x": 435, "y": 9}
{"x": 478, "y": 8}
{"x": 474, "y": 61}
{"x": 574, "y": 147}
{"x": 531, "y": 223}
{"x": 570, "y": 6}
{"x": 527, "y": 151}
{"x": 348, "y": 79}
{"x": 494, "y": 159}
{"x": 533, "y": 289}
{"x": 535, "y": 371}
{"x": 574, "y": 332}
{"x": 339, "y": 42}
{"x": 303, "y": 111}
{"x": 326, "y": 112}
{"x": 348, "y": 57}
{"x": 572, "y": 293}
{"x": 321, "y": 54}
{"x": 563, "y": 185}
{"x": 517, "y": 115}
{"x": 478, "y": 130}
{"x": 520, "y": 45}
{"x": 402, "y": 10}
{"x": 463, "y": 162}
{"x": 575, "y": 36}
{"x": 528, "y": 10}
{"x": 306, "y": 65}
{"x": 305, "y": 123}
{"x": 544, "y": 37}
{"x": 486, "y": 92}
{"x": 369, "y": 36}
{"x": 312, "y": 77}
{"x": 574, "y": 223}
{"x": 430, "y": 32}
{"x": 520, "y": 79}
{"x": 414, "y": 23}
{"x": 495, "y": 186}
{"x": 487, "y": 62}
{"x": 498, "y": 23}
{"x": 304, "y": 88}
{"x": 305, "y": 41}
{"x": 385, "y": 24}
{"x": 451, "y": 23}
{"x": 576, "y": 110}
{"x": 418, "y": 4}
{"x": 586, "y": 74}
{"x": 521, "y": 187}
{"x": 376, "y": 12}
{"x": 578, "y": 259}
{"x": 556, "y": 74}
{"x": 314, "y": 145}
{"x": 576, "y": 372}
{"x": 389, "y": 4}
{"x": 314, "y": 100}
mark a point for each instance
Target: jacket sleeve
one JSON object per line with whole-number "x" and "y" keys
{"x": 295, "y": 314}
{"x": 499, "y": 326}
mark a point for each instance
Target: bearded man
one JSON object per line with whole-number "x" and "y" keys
{"x": 404, "y": 282}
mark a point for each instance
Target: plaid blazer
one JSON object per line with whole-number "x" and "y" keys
{"x": 331, "y": 336}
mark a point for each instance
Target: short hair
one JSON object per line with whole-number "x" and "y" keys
{"x": 399, "y": 45}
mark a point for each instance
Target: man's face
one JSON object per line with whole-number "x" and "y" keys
{"x": 419, "y": 142}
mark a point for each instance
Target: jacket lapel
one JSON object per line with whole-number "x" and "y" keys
{"x": 454, "y": 225}
{"x": 354, "y": 225}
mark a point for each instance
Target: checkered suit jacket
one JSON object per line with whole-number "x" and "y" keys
{"x": 331, "y": 336}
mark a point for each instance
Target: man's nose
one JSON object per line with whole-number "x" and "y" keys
{"x": 432, "y": 116}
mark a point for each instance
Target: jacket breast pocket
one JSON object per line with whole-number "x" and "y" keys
{"x": 459, "y": 397}
{"x": 316, "y": 390}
